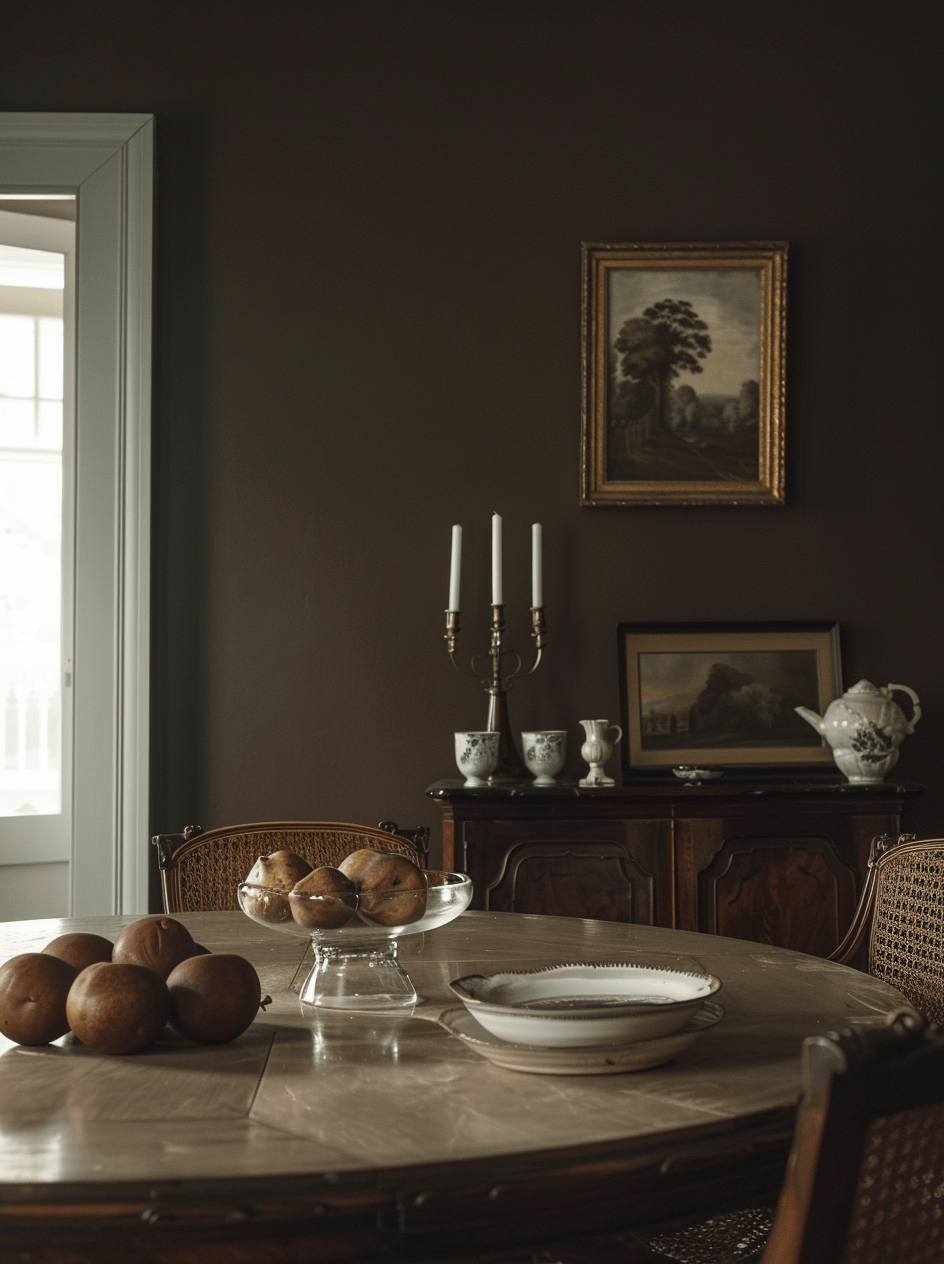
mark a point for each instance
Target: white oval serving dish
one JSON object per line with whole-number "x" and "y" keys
{"x": 585, "y": 1003}
{"x": 638, "y": 1055}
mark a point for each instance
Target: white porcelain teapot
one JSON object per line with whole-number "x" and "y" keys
{"x": 865, "y": 727}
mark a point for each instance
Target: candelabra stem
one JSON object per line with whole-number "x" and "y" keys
{"x": 510, "y": 764}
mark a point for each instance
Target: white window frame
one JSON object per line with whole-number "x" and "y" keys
{"x": 107, "y": 161}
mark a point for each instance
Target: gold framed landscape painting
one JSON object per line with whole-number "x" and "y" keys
{"x": 683, "y": 373}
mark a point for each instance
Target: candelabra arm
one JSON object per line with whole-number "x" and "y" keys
{"x": 452, "y": 639}
{"x": 538, "y": 628}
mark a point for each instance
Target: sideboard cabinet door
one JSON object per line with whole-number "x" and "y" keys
{"x": 790, "y": 879}
{"x": 614, "y": 871}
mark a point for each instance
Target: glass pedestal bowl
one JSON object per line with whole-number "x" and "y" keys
{"x": 354, "y": 938}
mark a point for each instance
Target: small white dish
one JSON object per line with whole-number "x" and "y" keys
{"x": 638, "y": 1055}
{"x": 585, "y": 1003}
{"x": 693, "y": 776}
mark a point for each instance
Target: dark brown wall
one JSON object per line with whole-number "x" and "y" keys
{"x": 369, "y": 219}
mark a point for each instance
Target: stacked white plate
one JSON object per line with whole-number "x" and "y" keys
{"x": 584, "y": 1018}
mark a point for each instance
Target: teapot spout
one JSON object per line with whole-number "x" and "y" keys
{"x": 812, "y": 718}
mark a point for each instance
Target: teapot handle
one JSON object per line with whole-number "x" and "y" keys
{"x": 914, "y": 699}
{"x": 614, "y": 741}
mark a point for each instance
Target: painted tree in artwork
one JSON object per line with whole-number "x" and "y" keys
{"x": 669, "y": 338}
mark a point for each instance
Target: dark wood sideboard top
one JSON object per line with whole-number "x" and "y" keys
{"x": 661, "y": 788}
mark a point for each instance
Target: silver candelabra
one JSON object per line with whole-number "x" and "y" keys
{"x": 497, "y": 677}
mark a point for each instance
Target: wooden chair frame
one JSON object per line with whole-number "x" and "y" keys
{"x": 236, "y": 848}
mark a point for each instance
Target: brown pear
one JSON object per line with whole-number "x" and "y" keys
{"x": 324, "y": 899}
{"x": 266, "y": 905}
{"x": 33, "y": 992}
{"x": 160, "y": 943}
{"x": 80, "y": 949}
{"x": 280, "y": 870}
{"x": 213, "y": 998}
{"x": 391, "y": 888}
{"x": 118, "y": 1007}
{"x": 357, "y": 863}
{"x": 269, "y": 877}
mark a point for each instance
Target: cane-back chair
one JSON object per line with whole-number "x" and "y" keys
{"x": 865, "y": 1177}
{"x": 201, "y": 871}
{"x": 901, "y": 912}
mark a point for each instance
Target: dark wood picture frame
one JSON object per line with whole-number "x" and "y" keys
{"x": 721, "y": 695}
{"x": 683, "y": 373}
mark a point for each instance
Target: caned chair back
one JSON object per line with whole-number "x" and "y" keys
{"x": 865, "y": 1178}
{"x": 904, "y": 897}
{"x": 201, "y": 871}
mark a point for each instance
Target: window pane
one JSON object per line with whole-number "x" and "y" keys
{"x": 17, "y": 423}
{"x": 30, "y": 608}
{"x": 30, "y": 566}
{"x": 50, "y": 358}
{"x": 50, "y": 426}
{"x": 40, "y": 269}
{"x": 17, "y": 356}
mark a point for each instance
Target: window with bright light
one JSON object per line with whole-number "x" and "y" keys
{"x": 31, "y": 439}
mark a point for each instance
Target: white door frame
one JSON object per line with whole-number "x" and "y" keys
{"x": 107, "y": 161}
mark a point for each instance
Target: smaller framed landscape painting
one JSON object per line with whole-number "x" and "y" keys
{"x": 723, "y": 694}
{"x": 683, "y": 373}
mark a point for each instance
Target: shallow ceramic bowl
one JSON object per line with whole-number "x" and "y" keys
{"x": 637, "y": 1055}
{"x": 585, "y": 1004}
{"x": 337, "y": 919}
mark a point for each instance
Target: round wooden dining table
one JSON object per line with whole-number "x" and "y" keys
{"x": 343, "y": 1135}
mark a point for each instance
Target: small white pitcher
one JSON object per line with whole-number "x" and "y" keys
{"x": 597, "y": 749}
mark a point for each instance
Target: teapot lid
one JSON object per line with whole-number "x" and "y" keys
{"x": 863, "y": 689}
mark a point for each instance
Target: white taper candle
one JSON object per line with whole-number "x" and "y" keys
{"x": 537, "y": 586}
{"x": 496, "y": 560}
{"x": 455, "y": 567}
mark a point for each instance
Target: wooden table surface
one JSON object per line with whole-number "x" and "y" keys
{"x": 383, "y": 1135}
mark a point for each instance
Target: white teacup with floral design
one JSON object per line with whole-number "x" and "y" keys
{"x": 477, "y": 756}
{"x": 544, "y": 752}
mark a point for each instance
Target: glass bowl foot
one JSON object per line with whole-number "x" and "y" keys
{"x": 364, "y": 976}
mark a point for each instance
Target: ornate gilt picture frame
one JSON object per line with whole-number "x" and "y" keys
{"x": 683, "y": 373}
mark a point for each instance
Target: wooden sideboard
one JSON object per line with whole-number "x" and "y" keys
{"x": 779, "y": 862}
